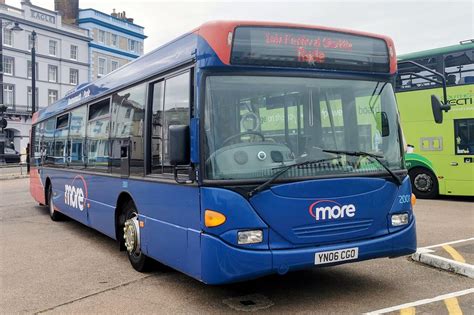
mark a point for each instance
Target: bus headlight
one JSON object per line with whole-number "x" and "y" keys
{"x": 250, "y": 237}
{"x": 399, "y": 219}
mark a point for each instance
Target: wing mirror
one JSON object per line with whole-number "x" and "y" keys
{"x": 438, "y": 109}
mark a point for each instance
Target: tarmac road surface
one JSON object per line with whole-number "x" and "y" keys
{"x": 65, "y": 267}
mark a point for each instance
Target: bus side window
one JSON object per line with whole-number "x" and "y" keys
{"x": 128, "y": 116}
{"x": 408, "y": 82}
{"x": 60, "y": 139}
{"x": 464, "y": 136}
{"x": 48, "y": 141}
{"x": 156, "y": 126}
{"x": 98, "y": 129}
{"x": 77, "y": 135}
{"x": 459, "y": 67}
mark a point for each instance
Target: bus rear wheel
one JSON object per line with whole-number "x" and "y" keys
{"x": 424, "y": 183}
{"x": 53, "y": 214}
{"x": 131, "y": 238}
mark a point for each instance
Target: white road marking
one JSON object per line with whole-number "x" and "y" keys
{"x": 421, "y": 302}
{"x": 449, "y": 243}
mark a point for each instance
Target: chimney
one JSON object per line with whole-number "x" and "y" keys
{"x": 69, "y": 10}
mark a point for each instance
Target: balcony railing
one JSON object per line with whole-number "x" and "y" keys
{"x": 19, "y": 109}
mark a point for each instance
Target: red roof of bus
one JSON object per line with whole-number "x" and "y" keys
{"x": 216, "y": 34}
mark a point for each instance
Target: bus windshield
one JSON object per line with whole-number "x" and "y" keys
{"x": 257, "y": 125}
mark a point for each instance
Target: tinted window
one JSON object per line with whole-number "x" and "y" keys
{"x": 36, "y": 149}
{"x": 47, "y": 142}
{"x": 99, "y": 109}
{"x": 408, "y": 74}
{"x": 176, "y": 108}
{"x": 464, "y": 136}
{"x": 60, "y": 139}
{"x": 77, "y": 135}
{"x": 98, "y": 129}
{"x": 459, "y": 67}
{"x": 156, "y": 127}
{"x": 128, "y": 114}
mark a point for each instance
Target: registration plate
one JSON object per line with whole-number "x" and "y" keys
{"x": 336, "y": 255}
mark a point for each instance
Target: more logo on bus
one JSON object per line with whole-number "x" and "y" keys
{"x": 329, "y": 209}
{"x": 75, "y": 196}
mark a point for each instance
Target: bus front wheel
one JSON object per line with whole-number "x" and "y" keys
{"x": 424, "y": 183}
{"x": 131, "y": 237}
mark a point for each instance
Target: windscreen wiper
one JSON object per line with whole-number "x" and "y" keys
{"x": 284, "y": 170}
{"x": 373, "y": 156}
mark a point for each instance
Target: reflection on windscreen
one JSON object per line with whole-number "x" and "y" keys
{"x": 257, "y": 125}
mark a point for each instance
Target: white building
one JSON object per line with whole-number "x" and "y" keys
{"x": 116, "y": 40}
{"x": 62, "y": 61}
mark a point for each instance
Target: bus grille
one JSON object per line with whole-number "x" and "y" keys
{"x": 332, "y": 229}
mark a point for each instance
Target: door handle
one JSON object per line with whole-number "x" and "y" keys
{"x": 454, "y": 163}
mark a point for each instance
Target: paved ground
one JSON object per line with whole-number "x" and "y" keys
{"x": 9, "y": 171}
{"x": 65, "y": 267}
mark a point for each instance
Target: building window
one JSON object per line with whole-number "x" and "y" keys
{"x": 52, "y": 96}
{"x": 29, "y": 69}
{"x": 102, "y": 69}
{"x": 7, "y": 37}
{"x": 28, "y": 101}
{"x": 101, "y": 38}
{"x": 73, "y": 76}
{"x": 30, "y": 41}
{"x": 114, "y": 64}
{"x": 114, "y": 40}
{"x": 53, "y": 45}
{"x": 132, "y": 45}
{"x": 8, "y": 65}
{"x": 8, "y": 94}
{"x": 73, "y": 54}
{"x": 52, "y": 73}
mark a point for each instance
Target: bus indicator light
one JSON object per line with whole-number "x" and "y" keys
{"x": 213, "y": 218}
{"x": 413, "y": 200}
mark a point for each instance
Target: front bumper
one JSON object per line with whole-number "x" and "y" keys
{"x": 223, "y": 263}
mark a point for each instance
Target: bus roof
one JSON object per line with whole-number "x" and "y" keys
{"x": 437, "y": 51}
{"x": 179, "y": 51}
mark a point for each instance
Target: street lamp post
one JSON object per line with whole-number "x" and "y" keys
{"x": 33, "y": 73}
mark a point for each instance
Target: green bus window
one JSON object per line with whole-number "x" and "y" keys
{"x": 464, "y": 136}
{"x": 459, "y": 67}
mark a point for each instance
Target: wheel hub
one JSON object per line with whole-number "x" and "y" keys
{"x": 423, "y": 182}
{"x": 131, "y": 235}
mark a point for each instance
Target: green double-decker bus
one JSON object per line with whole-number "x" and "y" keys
{"x": 441, "y": 158}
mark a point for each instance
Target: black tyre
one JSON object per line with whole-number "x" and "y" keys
{"x": 131, "y": 239}
{"x": 424, "y": 183}
{"x": 53, "y": 214}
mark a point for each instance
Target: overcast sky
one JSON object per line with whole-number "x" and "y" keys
{"x": 413, "y": 25}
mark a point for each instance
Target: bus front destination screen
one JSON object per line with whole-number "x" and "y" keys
{"x": 306, "y": 48}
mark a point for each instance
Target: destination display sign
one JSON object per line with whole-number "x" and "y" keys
{"x": 308, "y": 48}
